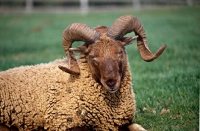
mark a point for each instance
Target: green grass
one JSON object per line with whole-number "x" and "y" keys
{"x": 171, "y": 82}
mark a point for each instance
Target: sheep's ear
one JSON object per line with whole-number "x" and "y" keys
{"x": 73, "y": 67}
{"x": 74, "y": 71}
{"x": 128, "y": 40}
{"x": 79, "y": 49}
{"x": 73, "y": 64}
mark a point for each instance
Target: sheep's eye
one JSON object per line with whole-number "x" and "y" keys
{"x": 120, "y": 54}
{"x": 93, "y": 59}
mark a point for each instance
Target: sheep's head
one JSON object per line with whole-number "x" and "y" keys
{"x": 104, "y": 49}
{"x": 107, "y": 61}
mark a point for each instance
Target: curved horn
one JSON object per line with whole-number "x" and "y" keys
{"x": 76, "y": 32}
{"x": 126, "y": 24}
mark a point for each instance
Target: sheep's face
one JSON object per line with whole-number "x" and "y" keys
{"x": 106, "y": 57}
{"x": 107, "y": 61}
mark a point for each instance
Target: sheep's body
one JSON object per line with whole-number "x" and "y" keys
{"x": 44, "y": 96}
{"x": 95, "y": 93}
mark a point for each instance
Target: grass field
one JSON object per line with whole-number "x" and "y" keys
{"x": 171, "y": 82}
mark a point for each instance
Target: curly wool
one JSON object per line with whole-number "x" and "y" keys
{"x": 44, "y": 96}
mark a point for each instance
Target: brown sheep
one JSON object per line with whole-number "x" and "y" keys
{"x": 95, "y": 93}
{"x": 104, "y": 49}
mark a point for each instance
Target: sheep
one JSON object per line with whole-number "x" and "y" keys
{"x": 92, "y": 92}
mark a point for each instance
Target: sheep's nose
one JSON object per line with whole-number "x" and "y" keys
{"x": 111, "y": 83}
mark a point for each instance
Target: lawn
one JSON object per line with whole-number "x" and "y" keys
{"x": 167, "y": 89}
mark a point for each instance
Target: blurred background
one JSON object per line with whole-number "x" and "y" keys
{"x": 84, "y": 6}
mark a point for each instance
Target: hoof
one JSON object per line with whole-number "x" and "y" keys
{"x": 136, "y": 127}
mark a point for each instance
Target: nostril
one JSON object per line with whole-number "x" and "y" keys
{"x": 111, "y": 83}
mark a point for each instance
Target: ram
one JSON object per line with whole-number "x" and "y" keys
{"x": 92, "y": 92}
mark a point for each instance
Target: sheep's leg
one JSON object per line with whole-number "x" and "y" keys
{"x": 136, "y": 127}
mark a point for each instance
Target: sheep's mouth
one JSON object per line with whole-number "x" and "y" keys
{"x": 113, "y": 90}
{"x": 111, "y": 86}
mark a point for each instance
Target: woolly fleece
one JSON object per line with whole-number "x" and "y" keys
{"x": 44, "y": 96}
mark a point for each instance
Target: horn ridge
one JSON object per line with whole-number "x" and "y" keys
{"x": 76, "y": 32}
{"x": 128, "y": 23}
